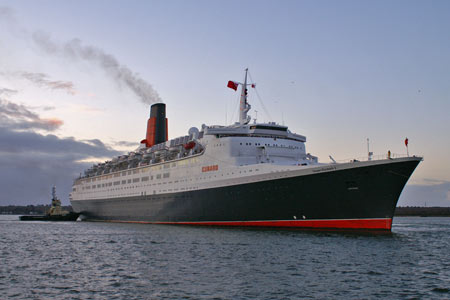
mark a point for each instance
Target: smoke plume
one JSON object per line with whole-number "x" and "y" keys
{"x": 75, "y": 50}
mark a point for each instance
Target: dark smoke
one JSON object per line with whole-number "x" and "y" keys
{"x": 75, "y": 50}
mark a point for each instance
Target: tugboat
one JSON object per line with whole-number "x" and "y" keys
{"x": 56, "y": 213}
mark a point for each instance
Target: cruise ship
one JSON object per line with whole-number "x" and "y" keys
{"x": 245, "y": 174}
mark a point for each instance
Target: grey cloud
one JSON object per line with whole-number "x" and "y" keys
{"x": 126, "y": 144}
{"x": 19, "y": 117}
{"x": 30, "y": 163}
{"x": 7, "y": 92}
{"x": 95, "y": 142}
{"x": 7, "y": 13}
{"x": 76, "y": 51}
{"x": 18, "y": 142}
{"x": 41, "y": 80}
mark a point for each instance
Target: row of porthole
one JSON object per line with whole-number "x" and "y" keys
{"x": 273, "y": 145}
{"x": 199, "y": 178}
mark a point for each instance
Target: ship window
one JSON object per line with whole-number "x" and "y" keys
{"x": 166, "y": 166}
{"x": 129, "y": 181}
{"x": 74, "y": 189}
{"x": 151, "y": 177}
{"x": 93, "y": 179}
{"x": 116, "y": 174}
{"x": 110, "y": 184}
{"x": 166, "y": 175}
{"x": 124, "y": 181}
{"x": 116, "y": 182}
{"x": 135, "y": 179}
{"x": 135, "y": 171}
{"x": 94, "y": 186}
{"x": 124, "y": 173}
{"x": 98, "y": 185}
{"x": 145, "y": 178}
{"x": 129, "y": 172}
{"x": 158, "y": 176}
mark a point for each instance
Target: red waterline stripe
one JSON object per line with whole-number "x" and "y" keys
{"x": 380, "y": 224}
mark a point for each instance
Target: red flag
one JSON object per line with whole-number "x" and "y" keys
{"x": 406, "y": 142}
{"x": 253, "y": 85}
{"x": 232, "y": 85}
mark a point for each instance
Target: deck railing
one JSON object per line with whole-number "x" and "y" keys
{"x": 375, "y": 157}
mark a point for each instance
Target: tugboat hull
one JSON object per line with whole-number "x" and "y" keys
{"x": 69, "y": 217}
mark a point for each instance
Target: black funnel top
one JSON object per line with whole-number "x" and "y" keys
{"x": 158, "y": 111}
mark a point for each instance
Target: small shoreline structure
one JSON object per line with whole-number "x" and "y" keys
{"x": 55, "y": 213}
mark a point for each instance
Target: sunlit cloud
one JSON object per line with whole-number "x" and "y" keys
{"x": 92, "y": 160}
{"x": 19, "y": 117}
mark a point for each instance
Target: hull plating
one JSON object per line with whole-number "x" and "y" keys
{"x": 357, "y": 198}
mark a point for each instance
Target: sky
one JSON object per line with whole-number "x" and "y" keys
{"x": 77, "y": 78}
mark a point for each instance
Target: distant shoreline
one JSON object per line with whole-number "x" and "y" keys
{"x": 418, "y": 211}
{"x": 28, "y": 209}
{"x": 401, "y": 211}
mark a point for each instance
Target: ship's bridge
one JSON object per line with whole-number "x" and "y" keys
{"x": 256, "y": 143}
{"x": 255, "y": 130}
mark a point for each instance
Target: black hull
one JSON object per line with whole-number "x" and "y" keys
{"x": 363, "y": 197}
{"x": 69, "y": 217}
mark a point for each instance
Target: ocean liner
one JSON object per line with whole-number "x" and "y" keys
{"x": 245, "y": 174}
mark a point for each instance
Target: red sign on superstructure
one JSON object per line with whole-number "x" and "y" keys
{"x": 210, "y": 168}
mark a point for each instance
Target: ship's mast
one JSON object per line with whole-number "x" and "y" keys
{"x": 244, "y": 107}
{"x": 54, "y": 192}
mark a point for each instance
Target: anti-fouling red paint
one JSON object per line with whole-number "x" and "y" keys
{"x": 156, "y": 126}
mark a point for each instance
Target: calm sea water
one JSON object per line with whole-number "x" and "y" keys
{"x": 84, "y": 260}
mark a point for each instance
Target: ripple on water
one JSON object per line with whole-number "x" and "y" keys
{"x": 133, "y": 261}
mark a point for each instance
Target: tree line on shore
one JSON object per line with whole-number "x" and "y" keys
{"x": 28, "y": 209}
{"x": 400, "y": 211}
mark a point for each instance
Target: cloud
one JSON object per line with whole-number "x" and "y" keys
{"x": 74, "y": 50}
{"x": 30, "y": 163}
{"x": 7, "y": 14}
{"x": 7, "y": 92}
{"x": 18, "y": 117}
{"x": 125, "y": 144}
{"x": 41, "y": 80}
